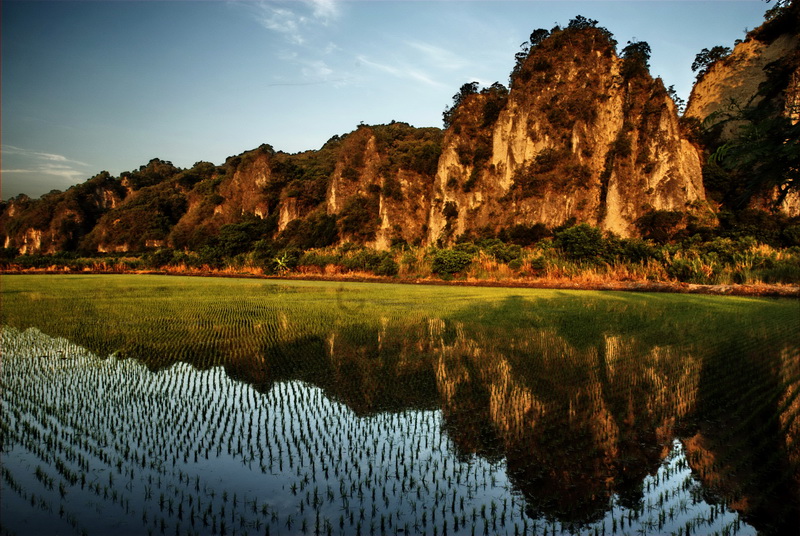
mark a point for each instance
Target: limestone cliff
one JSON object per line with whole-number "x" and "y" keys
{"x": 733, "y": 82}
{"x": 757, "y": 81}
{"x": 584, "y": 134}
{"x": 581, "y": 135}
{"x": 386, "y": 171}
{"x": 58, "y": 221}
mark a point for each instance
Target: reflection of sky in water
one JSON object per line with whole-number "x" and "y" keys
{"x": 121, "y": 450}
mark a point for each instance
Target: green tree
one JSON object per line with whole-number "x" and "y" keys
{"x": 707, "y": 57}
{"x": 359, "y": 218}
{"x": 636, "y": 59}
{"x": 765, "y": 154}
{"x": 581, "y": 242}
{"x": 470, "y": 88}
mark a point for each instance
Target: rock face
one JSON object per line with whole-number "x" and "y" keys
{"x": 389, "y": 170}
{"x": 734, "y": 81}
{"x": 761, "y": 73}
{"x": 58, "y": 221}
{"x": 579, "y": 137}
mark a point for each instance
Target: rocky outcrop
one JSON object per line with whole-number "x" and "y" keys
{"x": 758, "y": 81}
{"x": 391, "y": 167}
{"x": 582, "y": 135}
{"x": 58, "y": 221}
{"x": 577, "y": 138}
{"x": 733, "y": 83}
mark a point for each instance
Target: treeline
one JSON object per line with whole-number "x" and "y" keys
{"x": 748, "y": 247}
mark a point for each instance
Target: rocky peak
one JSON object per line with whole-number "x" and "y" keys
{"x": 583, "y": 134}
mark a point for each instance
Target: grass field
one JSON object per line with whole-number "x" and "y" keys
{"x": 345, "y": 408}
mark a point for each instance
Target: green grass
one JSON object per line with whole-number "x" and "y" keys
{"x": 213, "y": 320}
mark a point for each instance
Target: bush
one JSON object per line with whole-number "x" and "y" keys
{"x": 450, "y": 261}
{"x": 581, "y": 242}
{"x": 285, "y": 260}
{"x": 525, "y": 235}
{"x": 365, "y": 260}
{"x": 660, "y": 225}
{"x": 681, "y": 269}
{"x": 359, "y": 218}
{"x": 783, "y": 271}
{"x": 320, "y": 260}
{"x": 157, "y": 259}
{"x": 387, "y": 267}
{"x": 635, "y": 250}
{"x": 500, "y": 251}
{"x": 316, "y": 231}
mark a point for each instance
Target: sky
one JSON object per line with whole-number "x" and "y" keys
{"x": 108, "y": 85}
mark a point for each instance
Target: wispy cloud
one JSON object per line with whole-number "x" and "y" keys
{"x": 10, "y": 149}
{"x": 400, "y": 71}
{"x": 325, "y": 10}
{"x": 36, "y": 162}
{"x": 439, "y": 57}
{"x": 294, "y": 19}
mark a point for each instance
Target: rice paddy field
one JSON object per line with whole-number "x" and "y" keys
{"x": 178, "y": 405}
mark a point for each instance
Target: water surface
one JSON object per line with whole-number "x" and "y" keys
{"x": 177, "y": 405}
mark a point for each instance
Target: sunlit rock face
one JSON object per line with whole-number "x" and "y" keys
{"x": 580, "y": 135}
{"x": 58, "y": 221}
{"x": 576, "y": 138}
{"x": 734, "y": 81}
{"x": 386, "y": 173}
{"x": 762, "y": 70}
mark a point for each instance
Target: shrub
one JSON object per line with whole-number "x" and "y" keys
{"x": 316, "y": 231}
{"x": 681, "y": 269}
{"x": 365, "y": 260}
{"x": 157, "y": 259}
{"x": 450, "y": 261}
{"x": 500, "y": 251}
{"x": 450, "y": 210}
{"x": 635, "y": 250}
{"x": 525, "y": 235}
{"x": 581, "y": 242}
{"x": 622, "y": 145}
{"x": 660, "y": 225}
{"x": 783, "y": 271}
{"x": 320, "y": 260}
{"x": 387, "y": 267}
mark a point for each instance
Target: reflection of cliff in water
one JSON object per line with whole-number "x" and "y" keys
{"x": 581, "y": 401}
{"x": 575, "y": 425}
{"x": 743, "y": 442}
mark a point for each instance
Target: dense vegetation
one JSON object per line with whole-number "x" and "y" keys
{"x": 748, "y": 247}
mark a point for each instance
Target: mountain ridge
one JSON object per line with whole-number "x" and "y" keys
{"x": 584, "y": 134}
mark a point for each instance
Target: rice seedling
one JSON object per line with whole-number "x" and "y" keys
{"x": 277, "y": 407}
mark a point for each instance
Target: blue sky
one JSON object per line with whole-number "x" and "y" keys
{"x": 108, "y": 85}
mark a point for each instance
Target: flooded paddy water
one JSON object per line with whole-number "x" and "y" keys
{"x": 171, "y": 405}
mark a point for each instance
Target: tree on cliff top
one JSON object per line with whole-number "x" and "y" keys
{"x": 708, "y": 57}
{"x": 470, "y": 88}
